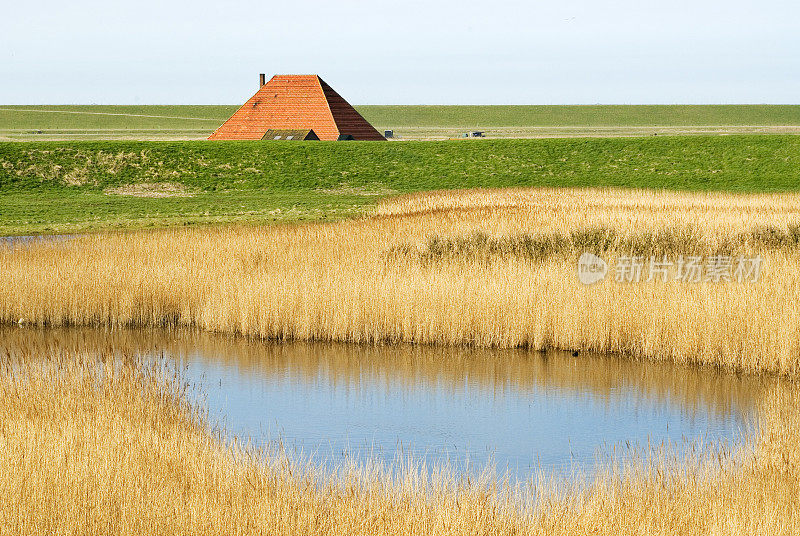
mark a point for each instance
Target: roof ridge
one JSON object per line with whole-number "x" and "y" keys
{"x": 320, "y": 82}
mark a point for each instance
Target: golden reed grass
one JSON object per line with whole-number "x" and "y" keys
{"x": 91, "y": 444}
{"x": 94, "y": 444}
{"x": 341, "y": 282}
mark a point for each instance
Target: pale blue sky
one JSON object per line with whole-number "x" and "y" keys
{"x": 404, "y": 51}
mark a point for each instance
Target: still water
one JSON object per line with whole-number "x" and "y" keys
{"x": 518, "y": 409}
{"x": 21, "y": 241}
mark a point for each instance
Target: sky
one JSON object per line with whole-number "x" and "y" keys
{"x": 403, "y": 51}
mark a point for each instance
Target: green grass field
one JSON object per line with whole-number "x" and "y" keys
{"x": 410, "y": 122}
{"x": 109, "y": 122}
{"x": 51, "y": 187}
{"x": 581, "y": 116}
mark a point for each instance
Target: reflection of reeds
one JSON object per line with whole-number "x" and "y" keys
{"x": 92, "y": 445}
{"x": 408, "y": 366}
{"x": 335, "y": 281}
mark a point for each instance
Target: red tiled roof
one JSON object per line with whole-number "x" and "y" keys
{"x": 296, "y": 102}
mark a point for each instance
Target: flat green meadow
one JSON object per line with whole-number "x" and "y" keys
{"x": 147, "y": 122}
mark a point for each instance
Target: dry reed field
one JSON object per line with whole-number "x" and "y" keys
{"x": 94, "y": 443}
{"x": 477, "y": 267}
{"x": 97, "y": 445}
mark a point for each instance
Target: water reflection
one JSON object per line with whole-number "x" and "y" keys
{"x": 519, "y": 408}
{"x": 19, "y": 241}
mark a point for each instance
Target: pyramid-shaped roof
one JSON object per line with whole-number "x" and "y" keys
{"x": 296, "y": 102}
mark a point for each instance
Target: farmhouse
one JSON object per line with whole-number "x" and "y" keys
{"x": 296, "y": 103}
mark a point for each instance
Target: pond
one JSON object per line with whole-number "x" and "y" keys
{"x": 520, "y": 410}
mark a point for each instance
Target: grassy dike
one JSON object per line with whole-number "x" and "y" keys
{"x": 52, "y": 187}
